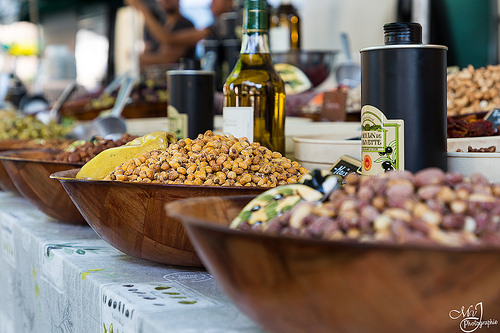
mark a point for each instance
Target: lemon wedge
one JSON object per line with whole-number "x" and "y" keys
{"x": 106, "y": 161}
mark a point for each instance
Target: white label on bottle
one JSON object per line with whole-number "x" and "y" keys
{"x": 177, "y": 122}
{"x": 279, "y": 39}
{"x": 238, "y": 121}
{"x": 382, "y": 142}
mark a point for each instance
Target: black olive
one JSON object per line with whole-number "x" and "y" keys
{"x": 278, "y": 196}
{"x": 254, "y": 208}
{"x": 388, "y": 150}
{"x": 386, "y": 165}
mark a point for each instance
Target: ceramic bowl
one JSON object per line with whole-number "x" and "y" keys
{"x": 30, "y": 172}
{"x": 131, "y": 216}
{"x": 468, "y": 163}
{"x": 454, "y": 144}
{"x": 291, "y": 284}
{"x": 321, "y": 151}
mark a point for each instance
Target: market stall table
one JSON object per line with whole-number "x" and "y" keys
{"x": 63, "y": 278}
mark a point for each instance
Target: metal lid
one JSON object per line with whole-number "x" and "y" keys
{"x": 404, "y": 46}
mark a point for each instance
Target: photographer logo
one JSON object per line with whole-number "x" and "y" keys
{"x": 471, "y": 318}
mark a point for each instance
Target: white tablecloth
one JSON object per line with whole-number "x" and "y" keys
{"x": 62, "y": 278}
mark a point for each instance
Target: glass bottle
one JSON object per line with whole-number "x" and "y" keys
{"x": 284, "y": 32}
{"x": 254, "y": 93}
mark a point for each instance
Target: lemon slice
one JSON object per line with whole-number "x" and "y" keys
{"x": 296, "y": 81}
{"x": 274, "y": 202}
{"x": 106, "y": 161}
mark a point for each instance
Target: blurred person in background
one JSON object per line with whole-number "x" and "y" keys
{"x": 159, "y": 50}
{"x": 177, "y": 37}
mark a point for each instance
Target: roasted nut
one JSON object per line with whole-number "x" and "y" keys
{"x": 212, "y": 160}
{"x": 426, "y": 208}
{"x": 472, "y": 90}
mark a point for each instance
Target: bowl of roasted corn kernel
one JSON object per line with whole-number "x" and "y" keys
{"x": 122, "y": 193}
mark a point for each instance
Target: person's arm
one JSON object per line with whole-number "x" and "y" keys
{"x": 187, "y": 37}
{"x": 172, "y": 56}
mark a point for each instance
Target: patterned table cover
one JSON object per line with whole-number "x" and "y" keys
{"x": 62, "y": 278}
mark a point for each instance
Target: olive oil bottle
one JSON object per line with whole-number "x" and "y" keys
{"x": 403, "y": 99}
{"x": 254, "y": 93}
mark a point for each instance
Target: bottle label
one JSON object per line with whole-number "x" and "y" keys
{"x": 177, "y": 122}
{"x": 238, "y": 121}
{"x": 382, "y": 142}
{"x": 279, "y": 39}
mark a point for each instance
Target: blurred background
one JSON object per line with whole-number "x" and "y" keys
{"x": 50, "y": 42}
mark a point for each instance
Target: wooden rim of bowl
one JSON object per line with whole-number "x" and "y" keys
{"x": 16, "y": 155}
{"x": 178, "y": 209}
{"x": 466, "y": 154}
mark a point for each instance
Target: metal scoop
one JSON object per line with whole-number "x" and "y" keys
{"x": 112, "y": 126}
{"x": 349, "y": 73}
{"x": 54, "y": 113}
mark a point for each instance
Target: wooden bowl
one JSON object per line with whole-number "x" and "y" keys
{"x": 78, "y": 110}
{"x": 30, "y": 172}
{"x": 131, "y": 216}
{"x": 6, "y": 183}
{"x": 305, "y": 285}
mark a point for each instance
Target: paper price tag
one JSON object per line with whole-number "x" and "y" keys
{"x": 346, "y": 165}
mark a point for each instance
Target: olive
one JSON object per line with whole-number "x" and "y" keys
{"x": 387, "y": 165}
{"x": 388, "y": 150}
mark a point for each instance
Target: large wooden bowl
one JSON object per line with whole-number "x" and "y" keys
{"x": 30, "y": 172}
{"x": 6, "y": 184}
{"x": 303, "y": 285}
{"x": 132, "y": 218}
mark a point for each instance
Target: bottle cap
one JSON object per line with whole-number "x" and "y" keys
{"x": 402, "y": 33}
{"x": 255, "y": 16}
{"x": 255, "y": 4}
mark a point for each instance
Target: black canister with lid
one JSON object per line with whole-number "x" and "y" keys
{"x": 403, "y": 99}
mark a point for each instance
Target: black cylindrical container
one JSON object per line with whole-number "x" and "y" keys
{"x": 191, "y": 102}
{"x": 403, "y": 99}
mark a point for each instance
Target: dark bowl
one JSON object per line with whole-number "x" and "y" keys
{"x": 30, "y": 170}
{"x": 316, "y": 65}
{"x": 131, "y": 216}
{"x": 291, "y": 284}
